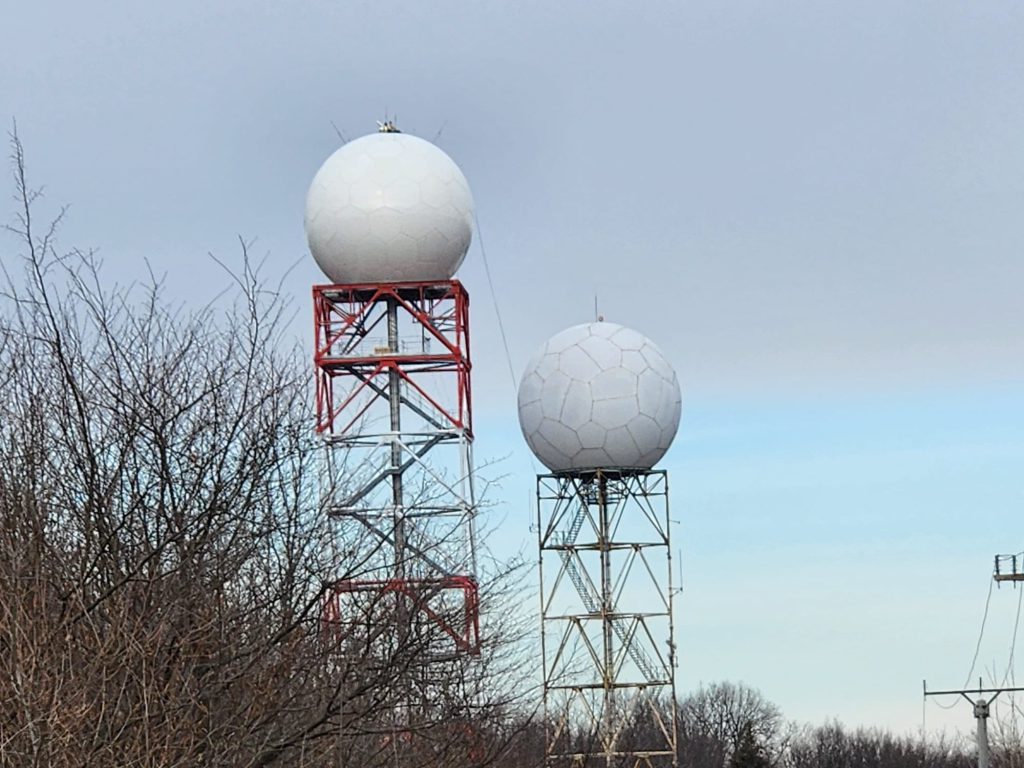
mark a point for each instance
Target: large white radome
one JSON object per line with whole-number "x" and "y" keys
{"x": 599, "y": 396}
{"x": 389, "y": 206}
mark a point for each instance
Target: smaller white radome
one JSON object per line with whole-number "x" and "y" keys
{"x": 389, "y": 207}
{"x": 599, "y": 396}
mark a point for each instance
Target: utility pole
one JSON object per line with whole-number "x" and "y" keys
{"x": 981, "y": 712}
{"x": 1009, "y": 568}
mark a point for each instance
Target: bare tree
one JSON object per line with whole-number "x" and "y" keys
{"x": 714, "y": 720}
{"x": 833, "y": 746}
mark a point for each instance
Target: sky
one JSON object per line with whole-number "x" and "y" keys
{"x": 813, "y": 208}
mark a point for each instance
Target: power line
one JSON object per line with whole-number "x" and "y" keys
{"x": 981, "y": 634}
{"x": 501, "y": 323}
{"x": 1013, "y": 641}
{"x": 494, "y": 300}
{"x": 977, "y": 647}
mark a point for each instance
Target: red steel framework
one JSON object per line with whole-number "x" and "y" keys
{"x": 394, "y": 403}
{"x": 345, "y": 316}
{"x": 418, "y": 593}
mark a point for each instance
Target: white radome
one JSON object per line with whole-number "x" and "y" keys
{"x": 389, "y": 207}
{"x": 599, "y": 396}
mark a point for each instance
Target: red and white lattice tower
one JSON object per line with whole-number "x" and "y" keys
{"x": 389, "y": 220}
{"x": 394, "y": 405}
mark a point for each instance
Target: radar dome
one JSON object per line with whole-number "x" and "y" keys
{"x": 389, "y": 207}
{"x": 599, "y": 396}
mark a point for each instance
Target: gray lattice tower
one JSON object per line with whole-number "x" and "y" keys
{"x": 606, "y": 618}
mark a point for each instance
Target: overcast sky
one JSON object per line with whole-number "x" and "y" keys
{"x": 814, "y": 208}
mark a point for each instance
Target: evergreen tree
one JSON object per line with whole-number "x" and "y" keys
{"x": 748, "y": 753}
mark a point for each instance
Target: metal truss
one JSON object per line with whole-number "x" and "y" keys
{"x": 394, "y": 407}
{"x": 606, "y": 619}
{"x": 356, "y": 338}
{"x": 354, "y": 605}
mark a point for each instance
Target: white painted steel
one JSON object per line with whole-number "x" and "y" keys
{"x": 389, "y": 207}
{"x": 599, "y": 396}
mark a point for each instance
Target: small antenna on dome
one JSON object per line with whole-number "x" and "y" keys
{"x": 388, "y": 124}
{"x": 597, "y": 315}
{"x": 439, "y": 132}
{"x": 337, "y": 130}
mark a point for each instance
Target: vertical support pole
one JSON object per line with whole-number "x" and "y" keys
{"x": 395, "y": 401}
{"x": 607, "y": 607}
{"x": 402, "y": 710}
{"x": 673, "y": 659}
{"x": 467, "y": 473}
{"x": 542, "y": 594}
{"x": 981, "y": 714}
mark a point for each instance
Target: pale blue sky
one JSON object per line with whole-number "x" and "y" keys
{"x": 812, "y": 207}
